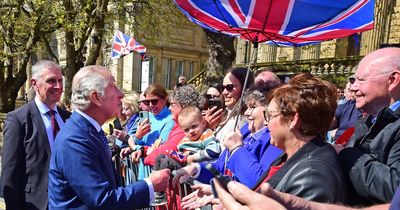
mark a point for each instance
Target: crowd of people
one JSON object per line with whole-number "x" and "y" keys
{"x": 276, "y": 148}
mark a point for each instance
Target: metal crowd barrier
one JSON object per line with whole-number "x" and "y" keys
{"x": 128, "y": 172}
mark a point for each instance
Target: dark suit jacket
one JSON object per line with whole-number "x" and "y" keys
{"x": 81, "y": 175}
{"x": 26, "y": 157}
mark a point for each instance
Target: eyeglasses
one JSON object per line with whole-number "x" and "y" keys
{"x": 210, "y": 96}
{"x": 152, "y": 101}
{"x": 268, "y": 115}
{"x": 228, "y": 87}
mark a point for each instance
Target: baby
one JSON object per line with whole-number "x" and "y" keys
{"x": 199, "y": 143}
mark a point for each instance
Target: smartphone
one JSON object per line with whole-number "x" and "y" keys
{"x": 215, "y": 102}
{"x": 224, "y": 180}
{"x": 143, "y": 115}
{"x": 117, "y": 124}
{"x": 111, "y": 129}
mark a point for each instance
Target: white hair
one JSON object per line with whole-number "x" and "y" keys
{"x": 40, "y": 66}
{"x": 88, "y": 79}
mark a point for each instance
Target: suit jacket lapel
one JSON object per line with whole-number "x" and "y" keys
{"x": 38, "y": 122}
{"x": 94, "y": 136}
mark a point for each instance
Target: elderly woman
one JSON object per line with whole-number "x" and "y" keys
{"x": 233, "y": 85}
{"x": 298, "y": 116}
{"x": 130, "y": 108}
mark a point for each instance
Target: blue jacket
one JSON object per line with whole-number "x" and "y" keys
{"x": 247, "y": 163}
{"x": 161, "y": 126}
{"x": 81, "y": 175}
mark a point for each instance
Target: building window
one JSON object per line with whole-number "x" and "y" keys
{"x": 179, "y": 69}
{"x": 191, "y": 70}
{"x": 168, "y": 67}
{"x": 152, "y": 64}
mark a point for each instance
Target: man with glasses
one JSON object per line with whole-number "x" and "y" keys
{"x": 345, "y": 116}
{"x": 372, "y": 159}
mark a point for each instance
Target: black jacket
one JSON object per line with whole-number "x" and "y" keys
{"x": 372, "y": 159}
{"x": 312, "y": 173}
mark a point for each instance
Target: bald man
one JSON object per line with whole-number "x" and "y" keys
{"x": 265, "y": 75}
{"x": 372, "y": 159}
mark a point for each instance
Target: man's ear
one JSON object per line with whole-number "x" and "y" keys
{"x": 394, "y": 80}
{"x": 95, "y": 98}
{"x": 33, "y": 82}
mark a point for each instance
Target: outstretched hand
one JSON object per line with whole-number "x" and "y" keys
{"x": 200, "y": 197}
{"x": 241, "y": 197}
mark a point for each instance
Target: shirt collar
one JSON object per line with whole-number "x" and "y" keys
{"x": 394, "y": 106}
{"x": 90, "y": 119}
{"x": 259, "y": 133}
{"x": 43, "y": 108}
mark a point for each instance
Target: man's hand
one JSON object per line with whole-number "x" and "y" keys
{"x": 143, "y": 129}
{"x": 213, "y": 117}
{"x": 135, "y": 156}
{"x": 119, "y": 134}
{"x": 160, "y": 179}
{"x": 242, "y": 197}
{"x": 125, "y": 152}
{"x": 182, "y": 174}
{"x": 196, "y": 200}
{"x": 232, "y": 141}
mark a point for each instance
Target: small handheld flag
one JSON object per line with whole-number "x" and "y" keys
{"x": 124, "y": 45}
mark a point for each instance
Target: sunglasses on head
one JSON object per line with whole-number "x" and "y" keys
{"x": 228, "y": 87}
{"x": 152, "y": 101}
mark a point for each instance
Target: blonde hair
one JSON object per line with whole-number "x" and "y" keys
{"x": 132, "y": 100}
{"x": 190, "y": 111}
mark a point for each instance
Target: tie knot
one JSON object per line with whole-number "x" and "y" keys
{"x": 52, "y": 112}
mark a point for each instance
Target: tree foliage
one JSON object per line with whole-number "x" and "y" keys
{"x": 22, "y": 25}
{"x": 83, "y": 28}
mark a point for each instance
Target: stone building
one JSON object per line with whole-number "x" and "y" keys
{"x": 337, "y": 57}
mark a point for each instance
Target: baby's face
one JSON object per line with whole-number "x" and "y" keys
{"x": 193, "y": 127}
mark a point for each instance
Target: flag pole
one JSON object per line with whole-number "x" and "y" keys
{"x": 252, "y": 55}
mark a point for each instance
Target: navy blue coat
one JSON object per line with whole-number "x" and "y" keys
{"x": 81, "y": 175}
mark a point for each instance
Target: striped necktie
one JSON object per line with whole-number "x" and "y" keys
{"x": 54, "y": 125}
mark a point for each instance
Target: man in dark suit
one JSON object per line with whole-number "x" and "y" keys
{"x": 81, "y": 175}
{"x": 28, "y": 140}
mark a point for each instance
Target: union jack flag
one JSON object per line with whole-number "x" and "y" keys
{"x": 282, "y": 22}
{"x": 124, "y": 45}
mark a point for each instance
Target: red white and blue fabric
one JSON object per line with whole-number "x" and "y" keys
{"x": 282, "y": 22}
{"x": 124, "y": 45}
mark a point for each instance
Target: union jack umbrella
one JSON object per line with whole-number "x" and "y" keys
{"x": 124, "y": 45}
{"x": 282, "y": 22}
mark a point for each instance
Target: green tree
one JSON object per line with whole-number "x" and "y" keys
{"x": 22, "y": 25}
{"x": 85, "y": 28}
